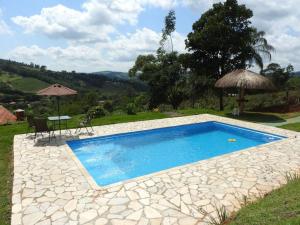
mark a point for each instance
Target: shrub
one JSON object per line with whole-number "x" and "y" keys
{"x": 165, "y": 108}
{"x": 108, "y": 106}
{"x": 219, "y": 218}
{"x": 141, "y": 102}
{"x": 131, "y": 109}
{"x": 97, "y": 111}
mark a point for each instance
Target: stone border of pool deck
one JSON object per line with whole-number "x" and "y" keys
{"x": 50, "y": 188}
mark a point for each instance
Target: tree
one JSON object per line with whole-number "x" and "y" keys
{"x": 170, "y": 22}
{"x": 91, "y": 98}
{"x": 256, "y": 50}
{"x": 198, "y": 86}
{"x": 164, "y": 72}
{"x": 280, "y": 76}
{"x": 43, "y": 68}
{"x": 164, "y": 75}
{"x": 223, "y": 40}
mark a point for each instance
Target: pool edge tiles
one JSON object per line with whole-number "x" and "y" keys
{"x": 46, "y": 177}
{"x": 213, "y": 123}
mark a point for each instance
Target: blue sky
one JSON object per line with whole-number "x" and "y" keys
{"x": 95, "y": 35}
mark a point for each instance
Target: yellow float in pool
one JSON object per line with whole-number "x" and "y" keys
{"x": 232, "y": 140}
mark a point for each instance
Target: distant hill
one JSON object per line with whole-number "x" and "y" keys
{"x": 19, "y": 79}
{"x": 297, "y": 73}
{"x": 113, "y": 75}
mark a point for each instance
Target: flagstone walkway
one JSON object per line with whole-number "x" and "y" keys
{"x": 50, "y": 187}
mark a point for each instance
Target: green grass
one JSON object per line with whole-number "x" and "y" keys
{"x": 28, "y": 84}
{"x": 119, "y": 118}
{"x": 280, "y": 207}
{"x": 291, "y": 126}
{"x": 7, "y": 133}
{"x": 256, "y": 117}
{"x": 289, "y": 115}
{"x": 195, "y": 111}
{"x": 6, "y": 77}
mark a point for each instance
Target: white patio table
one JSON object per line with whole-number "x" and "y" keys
{"x": 55, "y": 119}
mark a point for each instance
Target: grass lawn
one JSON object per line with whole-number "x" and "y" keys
{"x": 26, "y": 84}
{"x": 121, "y": 118}
{"x": 291, "y": 126}
{"x": 256, "y": 117}
{"x": 195, "y": 111}
{"x": 7, "y": 133}
{"x": 29, "y": 84}
{"x": 6, "y": 140}
{"x": 6, "y": 77}
{"x": 280, "y": 207}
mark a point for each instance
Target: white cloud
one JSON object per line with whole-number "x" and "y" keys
{"x": 93, "y": 23}
{"x": 127, "y": 47}
{"x": 287, "y": 49}
{"x": 79, "y": 57}
{"x": 143, "y": 41}
{"x": 89, "y": 31}
{"x": 62, "y": 22}
{"x": 165, "y": 4}
{"x": 4, "y": 28}
{"x": 111, "y": 12}
{"x": 197, "y": 5}
{"x": 279, "y": 19}
{"x": 118, "y": 54}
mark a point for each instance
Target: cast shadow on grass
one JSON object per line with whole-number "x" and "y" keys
{"x": 257, "y": 117}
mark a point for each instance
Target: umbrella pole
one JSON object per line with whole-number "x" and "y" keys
{"x": 57, "y": 98}
{"x": 241, "y": 100}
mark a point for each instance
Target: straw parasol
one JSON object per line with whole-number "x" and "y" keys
{"x": 6, "y": 116}
{"x": 244, "y": 79}
{"x": 57, "y": 90}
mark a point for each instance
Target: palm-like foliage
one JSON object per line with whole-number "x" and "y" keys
{"x": 259, "y": 49}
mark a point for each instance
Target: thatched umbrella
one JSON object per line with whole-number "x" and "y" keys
{"x": 244, "y": 79}
{"x": 57, "y": 90}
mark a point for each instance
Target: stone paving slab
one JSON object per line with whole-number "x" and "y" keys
{"x": 50, "y": 187}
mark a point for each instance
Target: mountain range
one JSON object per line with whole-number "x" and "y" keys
{"x": 113, "y": 75}
{"x": 297, "y": 73}
{"x": 20, "y": 79}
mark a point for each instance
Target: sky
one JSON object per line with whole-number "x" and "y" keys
{"x": 98, "y": 35}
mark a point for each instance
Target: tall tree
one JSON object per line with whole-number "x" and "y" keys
{"x": 257, "y": 50}
{"x": 170, "y": 23}
{"x": 164, "y": 73}
{"x": 165, "y": 76}
{"x": 223, "y": 40}
{"x": 280, "y": 76}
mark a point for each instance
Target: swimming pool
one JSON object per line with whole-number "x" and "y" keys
{"x": 114, "y": 158}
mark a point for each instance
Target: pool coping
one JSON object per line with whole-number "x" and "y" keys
{"x": 96, "y": 186}
{"x": 49, "y": 186}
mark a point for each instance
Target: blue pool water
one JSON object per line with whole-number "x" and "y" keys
{"x": 114, "y": 158}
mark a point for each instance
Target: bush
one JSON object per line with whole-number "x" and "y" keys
{"x": 108, "y": 106}
{"x": 165, "y": 108}
{"x": 97, "y": 111}
{"x": 131, "y": 109}
{"x": 141, "y": 102}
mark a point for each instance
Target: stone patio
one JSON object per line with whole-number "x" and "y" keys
{"x": 51, "y": 187}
